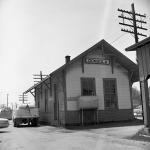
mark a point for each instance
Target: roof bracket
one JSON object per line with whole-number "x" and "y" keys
{"x": 46, "y": 85}
{"x": 33, "y": 93}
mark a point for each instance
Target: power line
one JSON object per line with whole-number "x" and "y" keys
{"x": 118, "y": 38}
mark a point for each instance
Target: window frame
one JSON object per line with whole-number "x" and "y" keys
{"x": 116, "y": 94}
{"x": 94, "y": 85}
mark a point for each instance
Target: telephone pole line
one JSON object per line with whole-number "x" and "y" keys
{"x": 134, "y": 21}
{"x": 7, "y": 100}
{"x": 38, "y": 77}
{"x": 23, "y": 98}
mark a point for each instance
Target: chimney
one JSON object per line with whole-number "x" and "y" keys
{"x": 67, "y": 58}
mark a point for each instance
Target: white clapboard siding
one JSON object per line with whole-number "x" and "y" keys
{"x": 98, "y": 71}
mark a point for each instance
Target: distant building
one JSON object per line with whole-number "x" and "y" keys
{"x": 93, "y": 87}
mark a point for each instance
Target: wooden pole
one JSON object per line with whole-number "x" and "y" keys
{"x": 134, "y": 23}
{"x": 145, "y": 99}
{"x": 7, "y": 100}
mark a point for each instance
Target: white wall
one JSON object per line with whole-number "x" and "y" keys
{"x": 98, "y": 71}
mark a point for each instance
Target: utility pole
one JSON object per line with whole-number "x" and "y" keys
{"x": 7, "y": 100}
{"x": 38, "y": 77}
{"x": 23, "y": 98}
{"x": 134, "y": 21}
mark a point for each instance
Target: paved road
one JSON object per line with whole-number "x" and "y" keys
{"x": 52, "y": 138}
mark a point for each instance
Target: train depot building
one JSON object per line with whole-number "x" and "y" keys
{"x": 93, "y": 87}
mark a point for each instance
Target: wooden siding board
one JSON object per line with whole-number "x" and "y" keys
{"x": 141, "y": 68}
{"x": 49, "y": 116}
{"x": 143, "y": 54}
{"x": 147, "y": 49}
{"x": 74, "y": 117}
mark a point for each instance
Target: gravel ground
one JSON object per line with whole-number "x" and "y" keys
{"x": 105, "y": 137}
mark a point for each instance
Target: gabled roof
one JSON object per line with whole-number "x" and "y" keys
{"x": 122, "y": 59}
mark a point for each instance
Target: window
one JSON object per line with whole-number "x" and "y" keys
{"x": 88, "y": 87}
{"x": 46, "y": 100}
{"x": 110, "y": 93}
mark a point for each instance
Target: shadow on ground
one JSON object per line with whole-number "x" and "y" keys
{"x": 141, "y": 135}
{"x": 107, "y": 125}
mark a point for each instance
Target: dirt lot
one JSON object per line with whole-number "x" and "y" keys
{"x": 103, "y": 137}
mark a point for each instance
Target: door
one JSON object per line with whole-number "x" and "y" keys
{"x": 56, "y": 103}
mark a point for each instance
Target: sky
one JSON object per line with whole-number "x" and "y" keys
{"x": 36, "y": 35}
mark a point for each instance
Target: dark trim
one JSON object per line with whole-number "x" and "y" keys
{"x": 46, "y": 99}
{"x": 41, "y": 91}
{"x": 50, "y": 80}
{"x": 55, "y": 103}
{"x": 112, "y": 64}
{"x": 65, "y": 93}
{"x": 130, "y": 86}
{"x": 82, "y": 64}
{"x": 74, "y": 117}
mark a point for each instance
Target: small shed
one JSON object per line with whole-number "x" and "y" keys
{"x": 143, "y": 56}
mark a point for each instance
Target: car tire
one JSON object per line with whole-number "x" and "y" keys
{"x": 15, "y": 123}
{"x": 35, "y": 122}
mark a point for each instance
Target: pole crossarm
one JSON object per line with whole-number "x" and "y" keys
{"x": 132, "y": 26}
{"x": 134, "y": 22}
{"x": 23, "y": 98}
{"x": 39, "y": 77}
{"x": 129, "y": 12}
{"x": 129, "y": 31}
{"x": 131, "y": 19}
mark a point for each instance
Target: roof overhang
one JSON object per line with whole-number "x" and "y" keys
{"x": 132, "y": 67}
{"x": 34, "y": 86}
{"x": 134, "y": 47}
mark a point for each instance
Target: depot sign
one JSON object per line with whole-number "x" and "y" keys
{"x": 102, "y": 61}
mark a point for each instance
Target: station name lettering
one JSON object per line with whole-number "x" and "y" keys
{"x": 103, "y": 61}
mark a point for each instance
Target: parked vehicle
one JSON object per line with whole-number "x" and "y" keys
{"x": 26, "y": 114}
{"x": 138, "y": 111}
{"x": 4, "y": 123}
{"x": 6, "y": 113}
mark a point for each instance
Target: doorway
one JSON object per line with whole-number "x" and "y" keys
{"x": 56, "y": 103}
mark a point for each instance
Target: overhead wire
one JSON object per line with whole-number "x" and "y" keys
{"x": 118, "y": 38}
